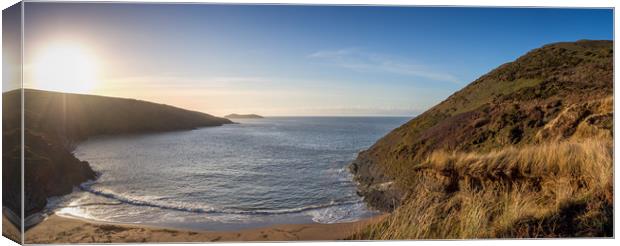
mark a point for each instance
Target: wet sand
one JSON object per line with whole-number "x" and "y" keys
{"x": 57, "y": 229}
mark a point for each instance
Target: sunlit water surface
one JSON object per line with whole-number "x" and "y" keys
{"x": 277, "y": 170}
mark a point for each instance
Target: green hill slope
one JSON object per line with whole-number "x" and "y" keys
{"x": 558, "y": 93}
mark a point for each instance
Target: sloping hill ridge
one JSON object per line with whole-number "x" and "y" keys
{"x": 55, "y": 122}
{"x": 555, "y": 97}
{"x": 88, "y": 115}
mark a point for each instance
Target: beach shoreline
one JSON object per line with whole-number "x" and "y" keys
{"x": 60, "y": 229}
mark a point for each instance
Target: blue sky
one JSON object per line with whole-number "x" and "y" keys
{"x": 298, "y": 60}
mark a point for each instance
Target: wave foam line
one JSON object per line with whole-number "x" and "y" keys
{"x": 136, "y": 202}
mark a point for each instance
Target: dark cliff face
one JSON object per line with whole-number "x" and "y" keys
{"x": 55, "y": 122}
{"x": 514, "y": 105}
{"x": 11, "y": 153}
{"x": 50, "y": 170}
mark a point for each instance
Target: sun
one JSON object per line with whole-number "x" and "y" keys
{"x": 65, "y": 67}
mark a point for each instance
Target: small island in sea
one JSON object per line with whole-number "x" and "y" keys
{"x": 243, "y": 116}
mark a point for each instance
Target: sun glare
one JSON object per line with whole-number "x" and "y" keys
{"x": 65, "y": 67}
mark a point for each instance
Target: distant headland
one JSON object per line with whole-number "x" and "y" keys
{"x": 243, "y": 116}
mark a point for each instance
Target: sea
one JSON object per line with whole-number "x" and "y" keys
{"x": 258, "y": 172}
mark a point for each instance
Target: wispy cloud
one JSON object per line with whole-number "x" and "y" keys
{"x": 362, "y": 61}
{"x": 172, "y": 82}
{"x": 358, "y": 111}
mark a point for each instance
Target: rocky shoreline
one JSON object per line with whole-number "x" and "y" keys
{"x": 377, "y": 190}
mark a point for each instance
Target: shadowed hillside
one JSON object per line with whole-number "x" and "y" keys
{"x": 55, "y": 122}
{"x": 523, "y": 151}
{"x": 80, "y": 116}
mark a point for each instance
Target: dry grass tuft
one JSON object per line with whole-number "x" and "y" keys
{"x": 560, "y": 189}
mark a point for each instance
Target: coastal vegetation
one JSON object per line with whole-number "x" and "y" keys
{"x": 548, "y": 190}
{"x": 523, "y": 151}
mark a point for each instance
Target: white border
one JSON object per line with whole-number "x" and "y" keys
{"x": 473, "y": 3}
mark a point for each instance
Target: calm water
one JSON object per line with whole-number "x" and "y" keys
{"x": 260, "y": 172}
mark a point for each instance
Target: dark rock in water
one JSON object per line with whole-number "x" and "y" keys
{"x": 377, "y": 190}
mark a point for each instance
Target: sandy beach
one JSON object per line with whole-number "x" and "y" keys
{"x": 57, "y": 229}
{"x": 9, "y": 230}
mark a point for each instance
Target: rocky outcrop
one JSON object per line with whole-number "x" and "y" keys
{"x": 50, "y": 170}
{"x": 375, "y": 188}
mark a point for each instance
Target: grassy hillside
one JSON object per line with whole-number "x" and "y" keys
{"x": 523, "y": 151}
{"x": 55, "y": 122}
{"x": 548, "y": 190}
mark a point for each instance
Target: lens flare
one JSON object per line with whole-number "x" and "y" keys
{"x": 67, "y": 68}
